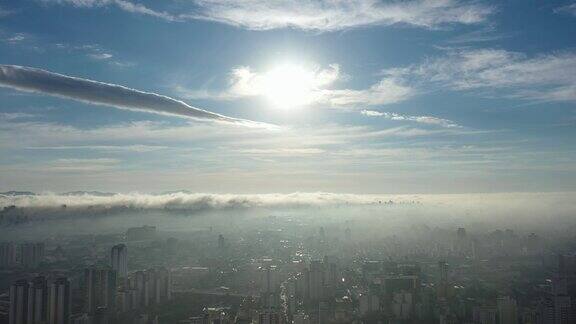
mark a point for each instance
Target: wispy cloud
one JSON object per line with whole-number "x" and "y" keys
{"x": 322, "y": 15}
{"x": 481, "y": 35}
{"x": 387, "y": 91}
{"x": 9, "y": 116}
{"x": 329, "y": 15}
{"x": 107, "y": 148}
{"x": 94, "y": 52}
{"x": 568, "y": 9}
{"x": 16, "y": 38}
{"x": 500, "y": 72}
{"x": 100, "y": 56}
{"x": 80, "y": 165}
{"x": 4, "y": 12}
{"x": 121, "y": 4}
{"x": 418, "y": 119}
{"x": 41, "y": 81}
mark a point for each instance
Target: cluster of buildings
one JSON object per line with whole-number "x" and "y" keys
{"x": 282, "y": 272}
{"x": 101, "y": 294}
{"x": 26, "y": 255}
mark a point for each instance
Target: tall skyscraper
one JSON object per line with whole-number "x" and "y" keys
{"x": 7, "y": 254}
{"x": 316, "y": 281}
{"x": 269, "y": 287}
{"x": 119, "y": 260}
{"x": 37, "y": 310}
{"x": 161, "y": 285}
{"x": 100, "y": 288}
{"x": 19, "y": 302}
{"x": 442, "y": 287}
{"x": 142, "y": 286}
{"x": 269, "y": 317}
{"x": 507, "y": 310}
{"x": 221, "y": 241}
{"x": 60, "y": 300}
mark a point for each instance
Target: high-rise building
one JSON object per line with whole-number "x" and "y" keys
{"x": 560, "y": 306}
{"x": 461, "y": 233}
{"x": 37, "y": 309}
{"x": 442, "y": 287}
{"x": 80, "y": 319}
{"x": 101, "y": 316}
{"x": 221, "y": 241}
{"x": 348, "y": 234}
{"x": 316, "y": 281}
{"x": 31, "y": 254}
{"x": 269, "y": 287}
{"x": 369, "y": 303}
{"x": 127, "y": 300}
{"x": 161, "y": 285}
{"x": 60, "y": 300}
{"x": 269, "y": 317}
{"x": 119, "y": 260}
{"x": 484, "y": 315}
{"x": 100, "y": 288}
{"x": 7, "y": 254}
{"x": 142, "y": 286}
{"x": 19, "y": 302}
{"x": 507, "y": 310}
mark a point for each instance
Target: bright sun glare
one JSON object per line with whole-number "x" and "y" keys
{"x": 289, "y": 85}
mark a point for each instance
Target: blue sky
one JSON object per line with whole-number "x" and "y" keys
{"x": 359, "y": 96}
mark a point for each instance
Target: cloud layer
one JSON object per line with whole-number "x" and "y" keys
{"x": 184, "y": 200}
{"x": 94, "y": 92}
{"x": 513, "y": 208}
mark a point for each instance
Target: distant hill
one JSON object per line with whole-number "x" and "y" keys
{"x": 17, "y": 193}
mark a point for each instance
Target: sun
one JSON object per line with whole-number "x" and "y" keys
{"x": 289, "y": 86}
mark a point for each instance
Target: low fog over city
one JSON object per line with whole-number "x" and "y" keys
{"x": 275, "y": 258}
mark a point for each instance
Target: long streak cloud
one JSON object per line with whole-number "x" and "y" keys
{"x": 100, "y": 93}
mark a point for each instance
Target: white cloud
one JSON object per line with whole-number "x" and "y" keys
{"x": 122, "y": 4}
{"x": 80, "y": 165}
{"x": 245, "y": 82}
{"x": 100, "y": 56}
{"x": 569, "y": 9}
{"x": 107, "y": 148}
{"x": 288, "y": 152}
{"x": 4, "y": 12}
{"x": 191, "y": 201}
{"x": 320, "y": 15}
{"x": 16, "y": 38}
{"x": 418, "y": 119}
{"x": 14, "y": 116}
{"x": 41, "y": 81}
{"x": 329, "y": 15}
{"x": 386, "y": 91}
{"x": 545, "y": 77}
{"x": 484, "y": 34}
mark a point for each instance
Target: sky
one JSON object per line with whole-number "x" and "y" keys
{"x": 247, "y": 96}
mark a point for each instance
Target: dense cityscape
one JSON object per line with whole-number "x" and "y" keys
{"x": 287, "y": 162}
{"x": 287, "y": 268}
